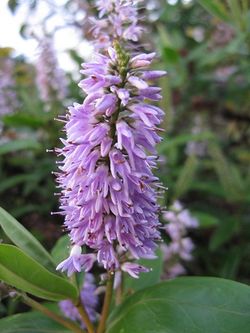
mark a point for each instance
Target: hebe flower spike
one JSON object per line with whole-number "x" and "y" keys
{"x": 108, "y": 188}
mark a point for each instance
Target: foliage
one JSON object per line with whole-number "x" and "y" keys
{"x": 205, "y": 47}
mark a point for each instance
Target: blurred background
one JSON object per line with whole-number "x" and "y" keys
{"x": 204, "y": 158}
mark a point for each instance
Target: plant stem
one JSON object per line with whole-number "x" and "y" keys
{"x": 119, "y": 291}
{"x": 106, "y": 304}
{"x": 65, "y": 322}
{"x": 85, "y": 317}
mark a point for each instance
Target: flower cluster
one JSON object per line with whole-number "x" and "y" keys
{"x": 180, "y": 247}
{"x": 88, "y": 298}
{"x": 51, "y": 82}
{"x": 8, "y": 98}
{"x": 118, "y": 19}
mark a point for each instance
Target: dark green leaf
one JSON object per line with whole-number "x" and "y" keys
{"x": 25, "y": 240}
{"x": 24, "y": 273}
{"x": 31, "y": 322}
{"x": 185, "y": 305}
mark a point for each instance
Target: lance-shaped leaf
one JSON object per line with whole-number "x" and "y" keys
{"x": 25, "y": 240}
{"x": 24, "y": 273}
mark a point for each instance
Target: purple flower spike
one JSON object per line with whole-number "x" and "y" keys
{"x": 51, "y": 81}
{"x": 8, "y": 98}
{"x": 180, "y": 247}
{"x": 109, "y": 192}
{"x": 134, "y": 269}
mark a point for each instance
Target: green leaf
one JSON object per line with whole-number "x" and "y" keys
{"x": 24, "y": 273}
{"x": 61, "y": 249}
{"x": 16, "y": 145}
{"x": 185, "y": 305}
{"x": 223, "y": 233}
{"x": 31, "y": 322}
{"x": 170, "y": 55}
{"x": 14, "y": 181}
{"x": 147, "y": 279}
{"x": 216, "y": 8}
{"x": 229, "y": 179}
{"x": 26, "y": 209}
{"x": 21, "y": 119}
{"x": 25, "y": 240}
{"x": 206, "y": 220}
{"x": 183, "y": 139}
{"x": 186, "y": 176}
{"x": 231, "y": 263}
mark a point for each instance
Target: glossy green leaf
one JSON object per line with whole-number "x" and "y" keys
{"x": 16, "y": 145}
{"x": 23, "y": 272}
{"x": 185, "y": 305}
{"x": 216, "y": 8}
{"x": 146, "y": 279}
{"x": 31, "y": 322}
{"x": 25, "y": 240}
{"x": 61, "y": 249}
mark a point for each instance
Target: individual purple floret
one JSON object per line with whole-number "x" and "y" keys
{"x": 51, "y": 81}
{"x": 180, "y": 247}
{"x": 77, "y": 261}
{"x": 8, "y": 98}
{"x": 88, "y": 298}
{"x": 109, "y": 197}
{"x": 134, "y": 269}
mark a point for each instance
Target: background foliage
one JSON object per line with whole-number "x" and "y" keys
{"x": 205, "y": 47}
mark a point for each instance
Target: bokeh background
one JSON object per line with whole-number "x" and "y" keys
{"x": 204, "y": 157}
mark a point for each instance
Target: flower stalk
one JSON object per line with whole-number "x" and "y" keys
{"x": 83, "y": 313}
{"x": 107, "y": 302}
